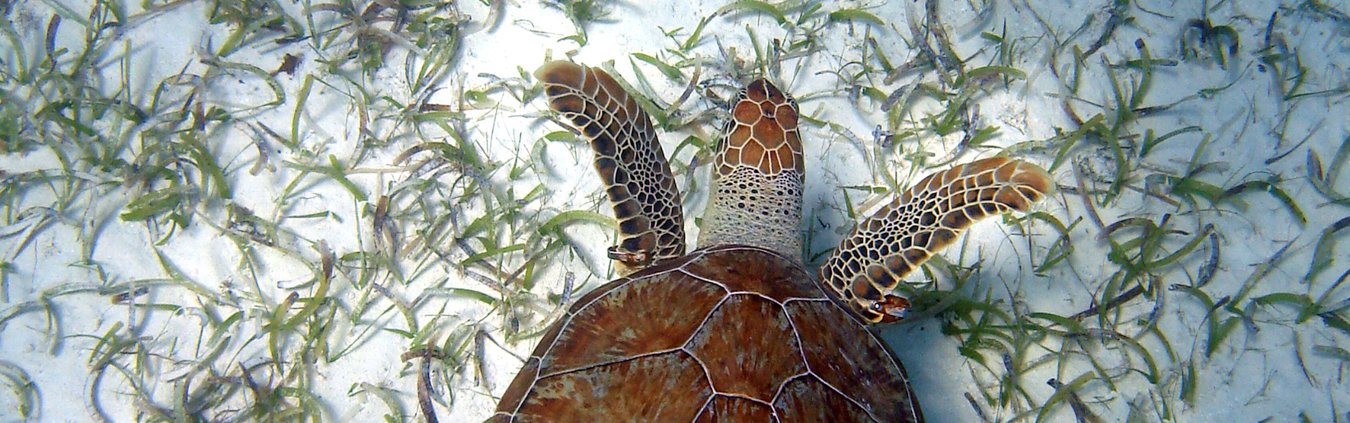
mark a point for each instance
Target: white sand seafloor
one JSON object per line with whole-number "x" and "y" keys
{"x": 1273, "y": 365}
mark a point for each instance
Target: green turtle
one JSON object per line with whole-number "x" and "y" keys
{"x": 739, "y": 329}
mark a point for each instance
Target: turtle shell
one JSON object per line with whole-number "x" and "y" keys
{"x": 730, "y": 333}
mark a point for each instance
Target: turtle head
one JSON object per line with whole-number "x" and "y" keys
{"x": 757, "y": 175}
{"x": 762, "y": 132}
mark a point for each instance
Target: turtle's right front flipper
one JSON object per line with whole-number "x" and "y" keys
{"x": 628, "y": 158}
{"x": 885, "y": 247}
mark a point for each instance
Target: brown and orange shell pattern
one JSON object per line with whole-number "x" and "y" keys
{"x": 732, "y": 333}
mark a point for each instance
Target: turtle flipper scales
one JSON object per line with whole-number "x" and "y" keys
{"x": 894, "y": 241}
{"x": 628, "y": 158}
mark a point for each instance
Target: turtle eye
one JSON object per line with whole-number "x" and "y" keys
{"x": 877, "y": 307}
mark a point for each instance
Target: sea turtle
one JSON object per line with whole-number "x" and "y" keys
{"x": 739, "y": 330}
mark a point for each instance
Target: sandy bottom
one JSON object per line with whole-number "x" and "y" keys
{"x": 1231, "y": 194}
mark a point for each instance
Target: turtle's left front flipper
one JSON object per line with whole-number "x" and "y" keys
{"x": 628, "y": 158}
{"x": 885, "y": 247}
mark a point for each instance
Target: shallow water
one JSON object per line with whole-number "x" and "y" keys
{"x": 225, "y": 211}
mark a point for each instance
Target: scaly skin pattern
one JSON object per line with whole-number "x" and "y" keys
{"x": 628, "y": 157}
{"x": 758, "y": 175}
{"x": 894, "y": 241}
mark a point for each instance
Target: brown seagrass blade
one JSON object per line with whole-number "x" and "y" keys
{"x": 894, "y": 241}
{"x": 628, "y": 158}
